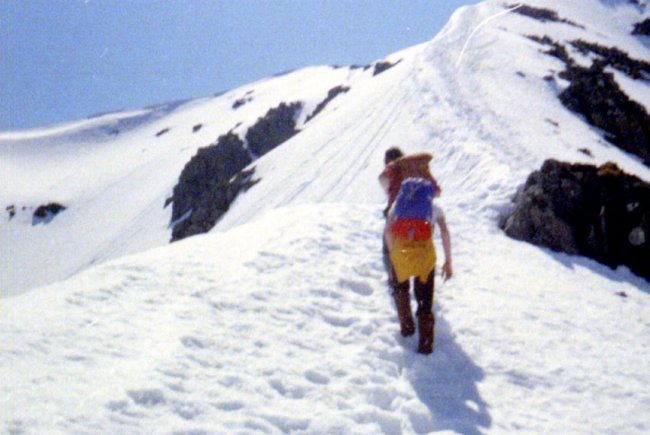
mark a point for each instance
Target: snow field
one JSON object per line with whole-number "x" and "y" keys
{"x": 280, "y": 319}
{"x": 115, "y": 184}
{"x": 295, "y": 330}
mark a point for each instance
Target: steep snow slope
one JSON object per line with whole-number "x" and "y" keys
{"x": 115, "y": 171}
{"x": 296, "y": 330}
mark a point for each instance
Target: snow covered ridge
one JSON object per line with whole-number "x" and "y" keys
{"x": 114, "y": 173}
{"x": 279, "y": 319}
{"x": 295, "y": 331}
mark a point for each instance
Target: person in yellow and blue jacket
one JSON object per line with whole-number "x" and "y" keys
{"x": 409, "y": 251}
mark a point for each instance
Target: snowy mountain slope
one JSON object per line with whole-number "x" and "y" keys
{"x": 462, "y": 96}
{"x": 295, "y": 331}
{"x": 528, "y": 340}
{"x": 114, "y": 173}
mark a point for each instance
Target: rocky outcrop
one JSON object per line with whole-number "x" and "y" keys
{"x": 247, "y": 98}
{"x": 614, "y": 57}
{"x": 642, "y": 28}
{"x": 380, "y": 67}
{"x": 277, "y": 126}
{"x": 11, "y": 210}
{"x": 599, "y": 212}
{"x": 208, "y": 185}
{"x": 45, "y": 213}
{"x": 594, "y": 93}
{"x": 541, "y": 14}
{"x": 331, "y": 94}
{"x": 212, "y": 179}
{"x": 163, "y": 131}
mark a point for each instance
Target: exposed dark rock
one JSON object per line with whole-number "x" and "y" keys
{"x": 331, "y": 94}
{"x": 247, "y": 98}
{"x": 642, "y": 28}
{"x": 586, "y": 152}
{"x": 11, "y": 209}
{"x": 557, "y": 49}
{"x": 542, "y": 14}
{"x": 520, "y": 74}
{"x": 599, "y": 212}
{"x": 197, "y": 127}
{"x": 239, "y": 102}
{"x": 278, "y": 125}
{"x": 616, "y": 58}
{"x": 380, "y": 67}
{"x": 163, "y": 131}
{"x": 45, "y": 213}
{"x": 212, "y": 179}
{"x": 595, "y": 94}
{"x": 207, "y": 186}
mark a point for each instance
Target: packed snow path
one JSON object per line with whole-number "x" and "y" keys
{"x": 286, "y": 324}
{"x": 258, "y": 330}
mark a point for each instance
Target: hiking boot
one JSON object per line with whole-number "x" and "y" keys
{"x": 403, "y": 305}
{"x": 425, "y": 327}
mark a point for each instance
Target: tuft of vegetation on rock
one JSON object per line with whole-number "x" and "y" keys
{"x": 331, "y": 94}
{"x": 274, "y": 128}
{"x": 598, "y": 212}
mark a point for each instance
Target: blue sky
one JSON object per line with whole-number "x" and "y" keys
{"x": 63, "y": 60}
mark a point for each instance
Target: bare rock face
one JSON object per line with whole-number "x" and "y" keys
{"x": 599, "y": 212}
{"x": 642, "y": 28}
{"x": 277, "y": 126}
{"x": 594, "y": 93}
{"x": 206, "y": 187}
{"x": 45, "y": 213}
{"x": 333, "y": 93}
{"x": 541, "y": 14}
{"x": 212, "y": 179}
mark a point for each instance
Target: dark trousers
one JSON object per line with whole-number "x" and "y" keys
{"x": 423, "y": 291}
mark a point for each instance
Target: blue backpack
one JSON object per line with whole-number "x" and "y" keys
{"x": 413, "y": 211}
{"x": 414, "y": 200}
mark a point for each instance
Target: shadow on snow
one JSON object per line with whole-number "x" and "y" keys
{"x": 446, "y": 382}
{"x": 621, "y": 274}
